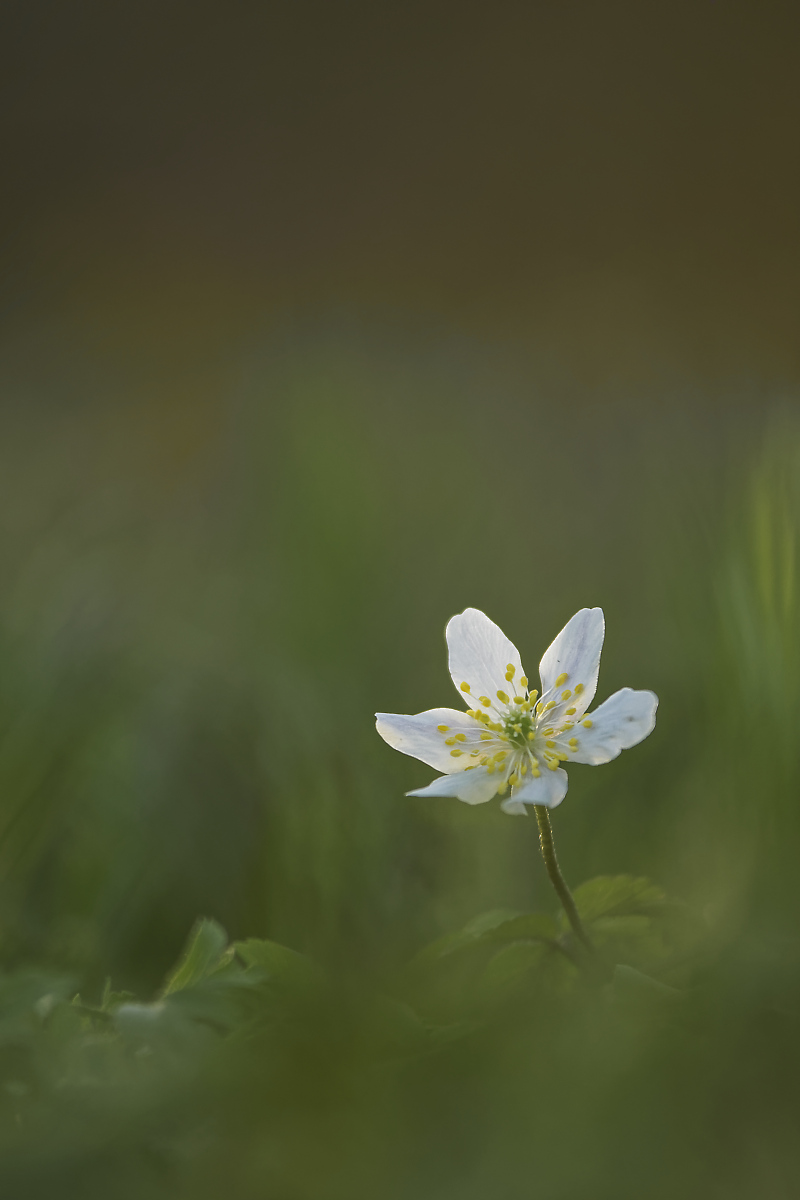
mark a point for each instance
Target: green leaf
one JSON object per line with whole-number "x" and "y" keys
{"x": 206, "y": 951}
{"x": 111, "y": 1000}
{"x": 617, "y": 895}
{"x": 511, "y": 964}
{"x": 277, "y": 961}
{"x": 499, "y": 926}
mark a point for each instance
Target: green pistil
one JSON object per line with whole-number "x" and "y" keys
{"x": 517, "y": 725}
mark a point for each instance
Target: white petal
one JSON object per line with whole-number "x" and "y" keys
{"x": 479, "y": 655}
{"x": 576, "y": 654}
{"x": 514, "y": 808}
{"x": 473, "y": 787}
{"x": 620, "y": 722}
{"x": 419, "y": 736}
{"x": 549, "y": 789}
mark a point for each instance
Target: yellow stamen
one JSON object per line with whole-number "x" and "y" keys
{"x": 502, "y": 696}
{"x": 465, "y": 687}
{"x": 587, "y": 724}
{"x": 553, "y": 765}
{"x": 461, "y": 737}
{"x": 450, "y": 741}
{"x": 456, "y": 753}
{"x": 443, "y": 728}
{"x": 574, "y": 743}
{"x": 486, "y": 737}
{"x": 523, "y": 770}
{"x": 550, "y": 704}
{"x": 571, "y": 712}
{"x": 511, "y": 669}
{"x": 513, "y": 780}
{"x": 485, "y": 701}
{"x": 578, "y": 689}
{"x": 566, "y": 695}
{"x": 520, "y": 700}
{"x": 562, "y": 679}
{"x": 550, "y": 745}
{"x": 523, "y": 682}
{"x": 490, "y": 770}
{"x": 531, "y": 736}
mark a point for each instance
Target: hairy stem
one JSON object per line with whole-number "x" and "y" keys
{"x": 556, "y": 878}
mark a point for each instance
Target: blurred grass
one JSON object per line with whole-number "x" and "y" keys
{"x": 204, "y": 607}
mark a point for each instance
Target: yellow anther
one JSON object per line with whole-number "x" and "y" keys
{"x": 566, "y": 695}
{"x": 550, "y": 704}
{"x": 490, "y": 770}
{"x": 523, "y": 770}
{"x": 526, "y": 706}
{"x": 550, "y": 745}
{"x": 562, "y": 679}
{"x": 539, "y": 709}
{"x": 501, "y": 754}
{"x": 578, "y": 689}
{"x": 553, "y": 766}
{"x": 450, "y": 741}
{"x": 568, "y": 725}
{"x": 502, "y": 789}
{"x": 517, "y": 728}
{"x": 523, "y": 681}
{"x": 531, "y": 736}
{"x": 484, "y": 761}
{"x": 486, "y": 737}
{"x": 570, "y": 712}
{"x": 461, "y": 737}
{"x": 496, "y": 726}
{"x": 465, "y": 687}
{"x": 443, "y": 728}
{"x": 456, "y": 753}
{"x": 574, "y": 743}
{"x": 509, "y": 677}
{"x": 536, "y": 773}
{"x": 520, "y": 700}
{"x": 502, "y": 696}
{"x": 548, "y": 732}
{"x": 587, "y": 724}
{"x": 513, "y": 779}
{"x": 485, "y": 701}
{"x": 511, "y": 669}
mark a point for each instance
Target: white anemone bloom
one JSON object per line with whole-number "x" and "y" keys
{"x": 513, "y": 737}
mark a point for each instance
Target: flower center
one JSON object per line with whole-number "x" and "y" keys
{"x": 517, "y": 725}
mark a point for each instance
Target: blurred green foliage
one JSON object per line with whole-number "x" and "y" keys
{"x": 201, "y": 613}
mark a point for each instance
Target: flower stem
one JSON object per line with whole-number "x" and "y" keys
{"x": 556, "y": 878}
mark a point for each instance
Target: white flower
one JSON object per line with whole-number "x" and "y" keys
{"x": 513, "y": 737}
